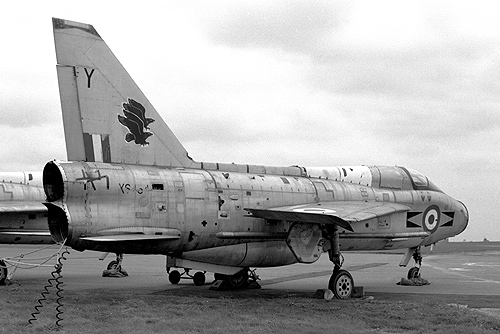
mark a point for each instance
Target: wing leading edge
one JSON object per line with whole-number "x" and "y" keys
{"x": 341, "y": 213}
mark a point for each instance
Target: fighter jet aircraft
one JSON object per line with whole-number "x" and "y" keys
{"x": 131, "y": 187}
{"x": 23, "y": 217}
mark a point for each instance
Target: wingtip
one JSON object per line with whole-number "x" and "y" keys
{"x": 347, "y": 226}
{"x": 67, "y": 24}
{"x": 342, "y": 223}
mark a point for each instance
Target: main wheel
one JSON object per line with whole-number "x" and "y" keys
{"x": 199, "y": 278}
{"x": 3, "y": 272}
{"x": 414, "y": 273}
{"x": 174, "y": 277}
{"x": 342, "y": 284}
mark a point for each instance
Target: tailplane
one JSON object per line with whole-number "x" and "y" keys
{"x": 106, "y": 116}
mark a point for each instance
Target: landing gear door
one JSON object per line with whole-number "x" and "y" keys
{"x": 305, "y": 242}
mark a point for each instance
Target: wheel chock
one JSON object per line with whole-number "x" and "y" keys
{"x": 219, "y": 285}
{"x": 358, "y": 292}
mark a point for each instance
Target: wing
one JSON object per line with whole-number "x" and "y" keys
{"x": 33, "y": 232}
{"x": 22, "y": 207}
{"x": 342, "y": 213}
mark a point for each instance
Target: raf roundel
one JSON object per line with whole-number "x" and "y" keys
{"x": 431, "y": 218}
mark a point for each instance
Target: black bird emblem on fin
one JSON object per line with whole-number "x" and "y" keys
{"x": 136, "y": 122}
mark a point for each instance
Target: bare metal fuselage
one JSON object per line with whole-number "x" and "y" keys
{"x": 23, "y": 218}
{"x": 205, "y": 210}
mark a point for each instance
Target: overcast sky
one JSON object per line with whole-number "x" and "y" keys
{"x": 313, "y": 83}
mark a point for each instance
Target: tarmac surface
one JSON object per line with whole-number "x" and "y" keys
{"x": 471, "y": 278}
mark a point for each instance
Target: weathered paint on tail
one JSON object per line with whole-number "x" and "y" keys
{"x": 106, "y": 116}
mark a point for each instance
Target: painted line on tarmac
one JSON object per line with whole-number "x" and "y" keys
{"x": 317, "y": 274}
{"x": 457, "y": 273}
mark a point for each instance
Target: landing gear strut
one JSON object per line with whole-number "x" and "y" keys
{"x": 414, "y": 272}
{"x": 114, "y": 268}
{"x": 341, "y": 281}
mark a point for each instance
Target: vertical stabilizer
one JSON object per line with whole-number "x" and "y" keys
{"x": 106, "y": 116}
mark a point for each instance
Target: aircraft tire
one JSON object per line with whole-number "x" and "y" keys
{"x": 199, "y": 278}
{"x": 3, "y": 272}
{"x": 341, "y": 284}
{"x": 174, "y": 277}
{"x": 112, "y": 265}
{"x": 414, "y": 273}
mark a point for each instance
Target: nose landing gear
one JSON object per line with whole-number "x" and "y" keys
{"x": 414, "y": 252}
{"x": 114, "y": 268}
{"x": 414, "y": 272}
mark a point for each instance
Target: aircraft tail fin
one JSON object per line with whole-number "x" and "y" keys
{"x": 106, "y": 116}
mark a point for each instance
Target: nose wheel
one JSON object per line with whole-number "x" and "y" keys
{"x": 414, "y": 273}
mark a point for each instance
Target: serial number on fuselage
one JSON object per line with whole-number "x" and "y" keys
{"x": 127, "y": 188}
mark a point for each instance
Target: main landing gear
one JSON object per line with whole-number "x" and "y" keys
{"x": 341, "y": 282}
{"x": 175, "y": 276}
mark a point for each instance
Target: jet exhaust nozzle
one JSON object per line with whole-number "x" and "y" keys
{"x": 58, "y": 222}
{"x": 53, "y": 184}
